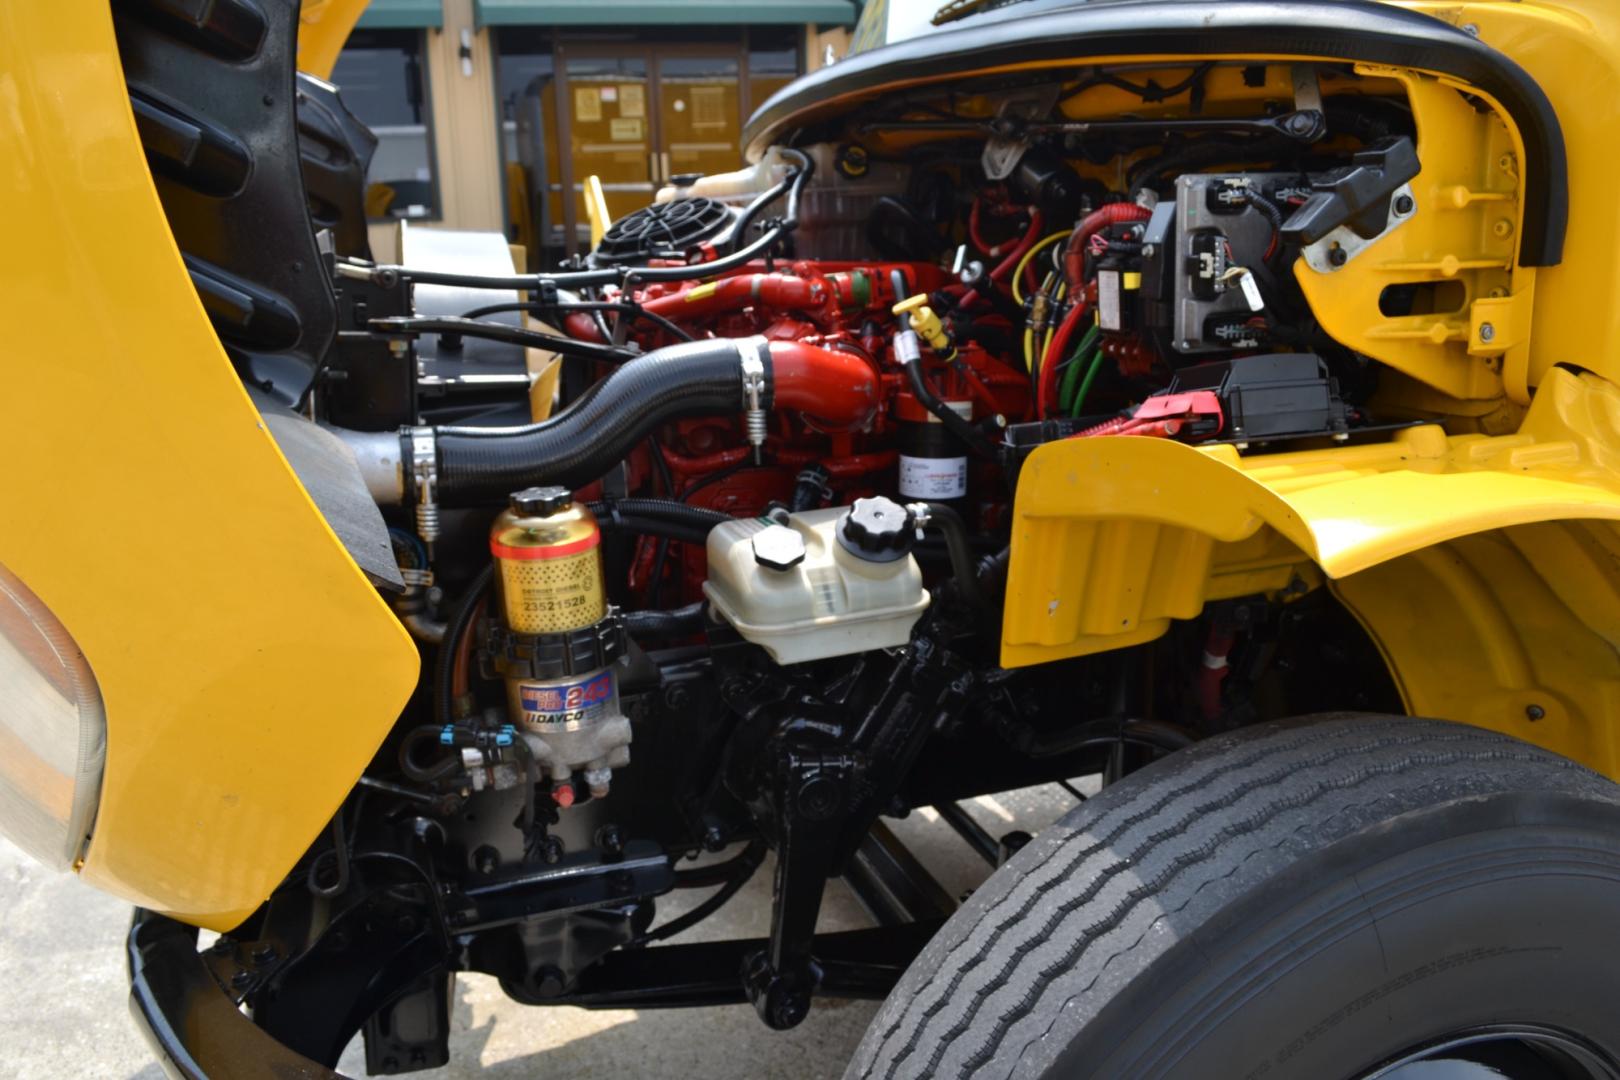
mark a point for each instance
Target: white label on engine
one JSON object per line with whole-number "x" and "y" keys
{"x": 964, "y": 409}
{"x": 1251, "y": 291}
{"x": 1108, "y": 315}
{"x": 933, "y": 478}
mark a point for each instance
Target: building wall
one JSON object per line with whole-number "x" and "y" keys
{"x": 465, "y": 122}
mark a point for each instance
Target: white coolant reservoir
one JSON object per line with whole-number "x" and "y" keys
{"x": 824, "y": 583}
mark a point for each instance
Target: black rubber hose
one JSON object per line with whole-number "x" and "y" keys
{"x": 952, "y": 420}
{"x": 424, "y": 774}
{"x": 583, "y": 279}
{"x": 739, "y": 231}
{"x": 340, "y": 860}
{"x": 531, "y": 779}
{"x": 544, "y": 311}
{"x": 1155, "y": 734}
{"x": 950, "y": 526}
{"x": 691, "y": 378}
{"x": 448, "y": 326}
{"x": 621, "y": 513}
{"x": 793, "y": 185}
{"x": 653, "y": 624}
{"x": 810, "y": 488}
{"x": 660, "y": 527}
{"x": 992, "y": 573}
{"x": 706, "y": 877}
{"x": 456, "y": 625}
{"x": 749, "y": 861}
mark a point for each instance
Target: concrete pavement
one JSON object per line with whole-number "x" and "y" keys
{"x": 64, "y": 1012}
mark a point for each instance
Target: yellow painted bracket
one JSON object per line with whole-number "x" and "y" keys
{"x": 1459, "y": 249}
{"x": 1115, "y": 537}
{"x": 596, "y": 208}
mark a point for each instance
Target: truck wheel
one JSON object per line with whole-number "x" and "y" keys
{"x": 1337, "y": 896}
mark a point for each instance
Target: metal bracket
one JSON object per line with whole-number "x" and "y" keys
{"x": 1337, "y": 248}
{"x": 1499, "y": 323}
{"x": 1009, "y": 140}
{"x": 1307, "y": 91}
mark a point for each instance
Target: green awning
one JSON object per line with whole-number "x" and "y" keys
{"x": 661, "y": 12}
{"x": 402, "y": 14}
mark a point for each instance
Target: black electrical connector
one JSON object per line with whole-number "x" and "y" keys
{"x": 1357, "y": 195}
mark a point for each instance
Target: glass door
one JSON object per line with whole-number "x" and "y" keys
{"x": 639, "y": 115}
{"x": 608, "y": 130}
{"x": 699, "y": 111}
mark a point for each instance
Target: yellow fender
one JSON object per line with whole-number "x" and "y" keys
{"x": 323, "y": 27}
{"x": 149, "y": 508}
{"x": 1486, "y": 568}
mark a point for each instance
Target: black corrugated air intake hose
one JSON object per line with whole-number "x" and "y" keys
{"x": 692, "y": 378}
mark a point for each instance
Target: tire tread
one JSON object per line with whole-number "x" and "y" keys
{"x": 988, "y": 986}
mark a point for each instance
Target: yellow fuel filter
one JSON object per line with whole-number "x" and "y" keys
{"x": 548, "y": 554}
{"x": 558, "y": 657}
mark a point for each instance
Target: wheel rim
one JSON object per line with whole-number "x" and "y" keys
{"x": 1518, "y": 1052}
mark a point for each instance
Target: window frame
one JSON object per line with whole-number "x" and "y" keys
{"x": 418, "y": 38}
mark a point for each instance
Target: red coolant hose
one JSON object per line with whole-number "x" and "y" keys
{"x": 837, "y": 387}
{"x": 828, "y": 384}
{"x": 1010, "y": 263}
{"x": 1112, "y": 214}
{"x": 1046, "y": 389}
{"x": 781, "y": 291}
{"x": 839, "y": 468}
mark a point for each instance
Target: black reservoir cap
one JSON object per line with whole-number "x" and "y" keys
{"x": 540, "y": 501}
{"x": 877, "y": 530}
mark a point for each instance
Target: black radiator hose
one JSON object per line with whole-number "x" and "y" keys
{"x": 658, "y": 517}
{"x": 692, "y": 378}
{"x": 680, "y": 622}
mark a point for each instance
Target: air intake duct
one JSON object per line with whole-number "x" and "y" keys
{"x": 720, "y": 376}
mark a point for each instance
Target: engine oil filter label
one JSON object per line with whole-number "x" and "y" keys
{"x": 560, "y": 705}
{"x": 933, "y": 478}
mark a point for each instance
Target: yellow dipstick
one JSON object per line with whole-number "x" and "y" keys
{"x": 925, "y": 322}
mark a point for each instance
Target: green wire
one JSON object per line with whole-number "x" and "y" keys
{"x": 1071, "y": 376}
{"x": 1085, "y": 385}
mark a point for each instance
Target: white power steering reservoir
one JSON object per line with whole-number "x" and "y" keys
{"x": 818, "y": 584}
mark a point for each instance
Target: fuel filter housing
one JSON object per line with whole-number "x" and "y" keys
{"x": 557, "y": 639}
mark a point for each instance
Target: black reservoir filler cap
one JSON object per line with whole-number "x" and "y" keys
{"x": 877, "y": 530}
{"x": 540, "y": 501}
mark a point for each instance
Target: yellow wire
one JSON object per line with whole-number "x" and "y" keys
{"x": 1018, "y": 271}
{"x": 1029, "y": 334}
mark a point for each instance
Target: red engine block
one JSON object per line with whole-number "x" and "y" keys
{"x": 838, "y": 306}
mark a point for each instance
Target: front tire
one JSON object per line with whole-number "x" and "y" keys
{"x": 1320, "y": 898}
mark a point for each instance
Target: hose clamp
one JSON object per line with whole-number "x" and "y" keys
{"x": 425, "y": 474}
{"x": 753, "y": 376}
